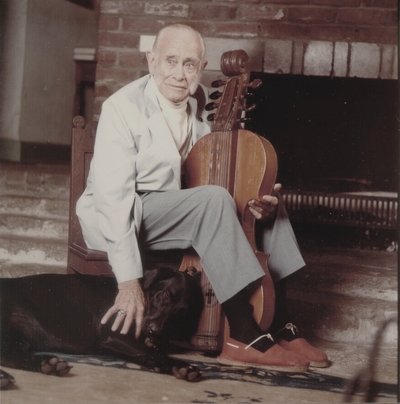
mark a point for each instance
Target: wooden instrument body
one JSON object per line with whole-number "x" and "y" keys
{"x": 246, "y": 165}
{"x": 247, "y": 172}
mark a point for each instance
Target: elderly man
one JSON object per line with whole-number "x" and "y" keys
{"x": 134, "y": 196}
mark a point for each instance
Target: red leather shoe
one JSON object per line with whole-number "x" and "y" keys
{"x": 235, "y": 353}
{"x": 289, "y": 339}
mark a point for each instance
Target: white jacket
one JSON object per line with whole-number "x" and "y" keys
{"x": 134, "y": 152}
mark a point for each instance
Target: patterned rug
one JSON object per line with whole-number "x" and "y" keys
{"x": 211, "y": 369}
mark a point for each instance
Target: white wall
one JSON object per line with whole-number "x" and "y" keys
{"x": 38, "y": 70}
{"x": 14, "y": 23}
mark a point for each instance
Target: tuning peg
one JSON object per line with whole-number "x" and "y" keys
{"x": 215, "y": 95}
{"x": 210, "y": 106}
{"x": 210, "y": 117}
{"x": 250, "y": 108}
{"x": 255, "y": 83}
{"x": 218, "y": 83}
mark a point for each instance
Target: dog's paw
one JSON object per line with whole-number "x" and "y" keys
{"x": 6, "y": 380}
{"x": 54, "y": 366}
{"x": 189, "y": 373}
{"x": 178, "y": 368}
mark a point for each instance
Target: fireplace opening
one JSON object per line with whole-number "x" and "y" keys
{"x": 330, "y": 134}
{"x": 337, "y": 146}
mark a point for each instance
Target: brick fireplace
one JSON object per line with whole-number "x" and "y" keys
{"x": 315, "y": 43}
{"x": 333, "y": 38}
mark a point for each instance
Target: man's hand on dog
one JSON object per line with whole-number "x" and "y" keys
{"x": 129, "y": 306}
{"x": 264, "y": 209}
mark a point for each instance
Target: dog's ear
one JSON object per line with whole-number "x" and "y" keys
{"x": 149, "y": 277}
{"x": 154, "y": 275}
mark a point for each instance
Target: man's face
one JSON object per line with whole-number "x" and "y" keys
{"x": 176, "y": 65}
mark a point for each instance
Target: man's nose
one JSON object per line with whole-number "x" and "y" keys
{"x": 179, "y": 72}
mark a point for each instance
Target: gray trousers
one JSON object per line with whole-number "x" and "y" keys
{"x": 205, "y": 218}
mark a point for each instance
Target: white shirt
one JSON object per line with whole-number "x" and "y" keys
{"x": 179, "y": 120}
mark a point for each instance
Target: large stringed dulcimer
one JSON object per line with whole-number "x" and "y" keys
{"x": 246, "y": 165}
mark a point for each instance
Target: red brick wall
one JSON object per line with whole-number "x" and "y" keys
{"x": 122, "y": 22}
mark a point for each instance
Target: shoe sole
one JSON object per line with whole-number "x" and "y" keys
{"x": 319, "y": 364}
{"x": 265, "y": 367}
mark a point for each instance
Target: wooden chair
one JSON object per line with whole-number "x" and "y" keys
{"x": 80, "y": 258}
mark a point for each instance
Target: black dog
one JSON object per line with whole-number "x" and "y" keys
{"x": 62, "y": 313}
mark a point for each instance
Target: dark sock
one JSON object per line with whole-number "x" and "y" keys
{"x": 242, "y": 326}
{"x": 281, "y": 323}
{"x": 281, "y": 314}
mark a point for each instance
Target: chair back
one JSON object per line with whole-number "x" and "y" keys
{"x": 80, "y": 258}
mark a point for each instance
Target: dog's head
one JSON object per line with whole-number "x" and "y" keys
{"x": 174, "y": 304}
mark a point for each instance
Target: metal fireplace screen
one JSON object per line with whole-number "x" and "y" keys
{"x": 347, "y": 209}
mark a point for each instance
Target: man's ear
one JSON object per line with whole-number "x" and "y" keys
{"x": 204, "y": 63}
{"x": 150, "y": 61}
